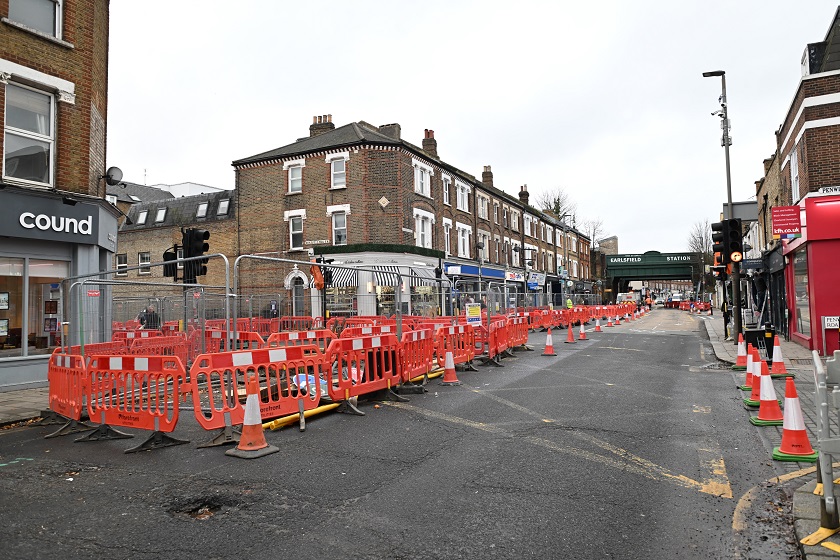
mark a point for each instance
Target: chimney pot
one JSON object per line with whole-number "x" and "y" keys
{"x": 321, "y": 124}
{"x": 430, "y": 144}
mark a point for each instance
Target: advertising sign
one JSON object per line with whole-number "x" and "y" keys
{"x": 786, "y": 224}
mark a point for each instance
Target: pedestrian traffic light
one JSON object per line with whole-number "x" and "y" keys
{"x": 328, "y": 277}
{"x": 195, "y": 245}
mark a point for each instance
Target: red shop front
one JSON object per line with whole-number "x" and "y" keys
{"x": 812, "y": 273}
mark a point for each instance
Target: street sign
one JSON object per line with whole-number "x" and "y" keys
{"x": 473, "y": 313}
{"x": 736, "y": 256}
{"x": 752, "y": 264}
{"x": 93, "y": 293}
{"x": 832, "y": 322}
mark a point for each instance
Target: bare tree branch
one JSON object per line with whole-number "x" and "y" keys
{"x": 700, "y": 240}
{"x": 556, "y": 201}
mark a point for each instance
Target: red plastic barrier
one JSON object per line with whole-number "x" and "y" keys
{"x": 373, "y": 330}
{"x": 320, "y": 338}
{"x": 263, "y": 326}
{"x": 135, "y": 391}
{"x": 294, "y": 323}
{"x": 67, "y": 376}
{"x": 417, "y": 353}
{"x": 459, "y": 339}
{"x": 116, "y": 347}
{"x": 161, "y": 346}
{"x": 127, "y": 336}
{"x": 518, "y": 331}
{"x": 364, "y": 365}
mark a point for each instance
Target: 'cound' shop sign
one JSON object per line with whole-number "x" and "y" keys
{"x": 47, "y": 219}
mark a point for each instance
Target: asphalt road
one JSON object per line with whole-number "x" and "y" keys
{"x": 632, "y": 445}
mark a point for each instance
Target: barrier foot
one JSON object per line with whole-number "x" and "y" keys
{"x": 155, "y": 441}
{"x": 227, "y": 435}
{"x": 494, "y": 361}
{"x": 71, "y": 427}
{"x": 410, "y": 389}
{"x": 507, "y": 353}
{"x": 104, "y": 431}
{"x": 469, "y": 366}
{"x": 50, "y": 418}
{"x": 818, "y": 536}
{"x": 349, "y": 407}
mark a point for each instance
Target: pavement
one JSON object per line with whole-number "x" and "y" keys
{"x": 25, "y": 405}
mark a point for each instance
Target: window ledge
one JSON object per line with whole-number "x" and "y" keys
{"x": 339, "y": 188}
{"x": 293, "y": 193}
{"x": 40, "y": 34}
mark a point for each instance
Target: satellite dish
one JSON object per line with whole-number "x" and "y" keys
{"x": 113, "y": 176}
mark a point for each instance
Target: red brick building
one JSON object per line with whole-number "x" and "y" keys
{"x": 54, "y": 220}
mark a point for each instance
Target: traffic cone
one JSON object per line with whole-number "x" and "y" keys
{"x": 769, "y": 413}
{"x": 755, "y": 396}
{"x": 598, "y": 325}
{"x": 252, "y": 443}
{"x": 571, "y": 338}
{"x": 549, "y": 345}
{"x": 741, "y": 360}
{"x": 449, "y": 377}
{"x": 748, "y": 382}
{"x": 778, "y": 369}
{"x": 582, "y": 332}
{"x": 609, "y": 321}
{"x": 795, "y": 445}
{"x": 617, "y": 319}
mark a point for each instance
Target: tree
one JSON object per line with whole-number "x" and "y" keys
{"x": 556, "y": 201}
{"x": 700, "y": 240}
{"x": 593, "y": 229}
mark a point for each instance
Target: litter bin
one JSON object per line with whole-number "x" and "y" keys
{"x": 754, "y": 337}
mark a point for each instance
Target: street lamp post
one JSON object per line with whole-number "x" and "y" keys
{"x": 736, "y": 266}
{"x": 563, "y": 287}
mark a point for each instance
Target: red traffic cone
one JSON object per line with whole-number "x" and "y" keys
{"x": 755, "y": 396}
{"x": 571, "y": 338}
{"x": 252, "y": 443}
{"x": 748, "y": 383}
{"x": 769, "y": 413}
{"x": 449, "y": 377}
{"x": 609, "y": 321}
{"x": 582, "y": 332}
{"x": 618, "y": 319}
{"x": 795, "y": 445}
{"x": 778, "y": 368}
{"x": 549, "y": 345}
{"x": 741, "y": 360}
{"x": 598, "y": 325}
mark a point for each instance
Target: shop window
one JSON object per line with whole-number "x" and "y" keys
{"x": 41, "y": 331}
{"x": 802, "y": 303}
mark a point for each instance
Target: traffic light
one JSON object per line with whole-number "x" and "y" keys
{"x": 195, "y": 245}
{"x": 734, "y": 235}
{"x": 170, "y": 269}
{"x": 720, "y": 242}
{"x": 328, "y": 277}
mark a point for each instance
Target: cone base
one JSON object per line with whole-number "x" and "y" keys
{"x": 745, "y": 387}
{"x": 450, "y": 382}
{"x": 752, "y": 403}
{"x": 547, "y": 354}
{"x": 756, "y": 421}
{"x": 739, "y": 368}
{"x": 779, "y": 456}
{"x": 781, "y": 375}
{"x": 252, "y": 454}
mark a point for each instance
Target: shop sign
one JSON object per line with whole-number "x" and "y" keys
{"x": 786, "y": 223}
{"x": 829, "y": 190}
{"x": 751, "y": 263}
{"x": 832, "y": 322}
{"x": 49, "y": 219}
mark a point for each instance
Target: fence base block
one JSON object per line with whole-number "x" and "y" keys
{"x": 226, "y": 436}
{"x": 155, "y": 441}
{"x": 350, "y": 407}
{"x": 104, "y": 432}
{"x": 50, "y": 418}
{"x": 71, "y": 427}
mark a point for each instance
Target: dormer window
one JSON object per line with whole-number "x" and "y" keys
{"x": 141, "y": 217}
{"x": 223, "y": 207}
{"x": 161, "y": 215}
{"x": 202, "y": 210}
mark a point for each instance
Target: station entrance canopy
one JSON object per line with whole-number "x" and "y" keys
{"x": 653, "y": 265}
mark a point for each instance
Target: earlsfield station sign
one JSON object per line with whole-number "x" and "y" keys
{"x": 653, "y": 265}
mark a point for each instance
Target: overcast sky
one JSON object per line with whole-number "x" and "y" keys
{"x": 604, "y": 99}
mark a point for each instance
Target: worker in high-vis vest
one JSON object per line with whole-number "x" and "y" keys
{"x": 569, "y": 303}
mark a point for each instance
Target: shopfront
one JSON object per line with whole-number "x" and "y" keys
{"x": 812, "y": 273}
{"x": 44, "y": 238}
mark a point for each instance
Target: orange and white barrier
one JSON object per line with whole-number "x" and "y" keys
{"x": 460, "y": 339}
{"x": 417, "y": 352}
{"x": 319, "y": 337}
{"x": 135, "y": 392}
{"x": 373, "y": 359}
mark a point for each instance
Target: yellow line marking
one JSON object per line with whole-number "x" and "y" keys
{"x": 716, "y": 485}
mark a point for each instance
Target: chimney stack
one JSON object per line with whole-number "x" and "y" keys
{"x": 487, "y": 176}
{"x": 430, "y": 144}
{"x": 523, "y": 194}
{"x": 321, "y": 124}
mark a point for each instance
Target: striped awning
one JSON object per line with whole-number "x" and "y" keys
{"x": 385, "y": 275}
{"x": 425, "y": 277}
{"x": 345, "y": 277}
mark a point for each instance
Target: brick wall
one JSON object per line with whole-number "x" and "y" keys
{"x": 80, "y": 57}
